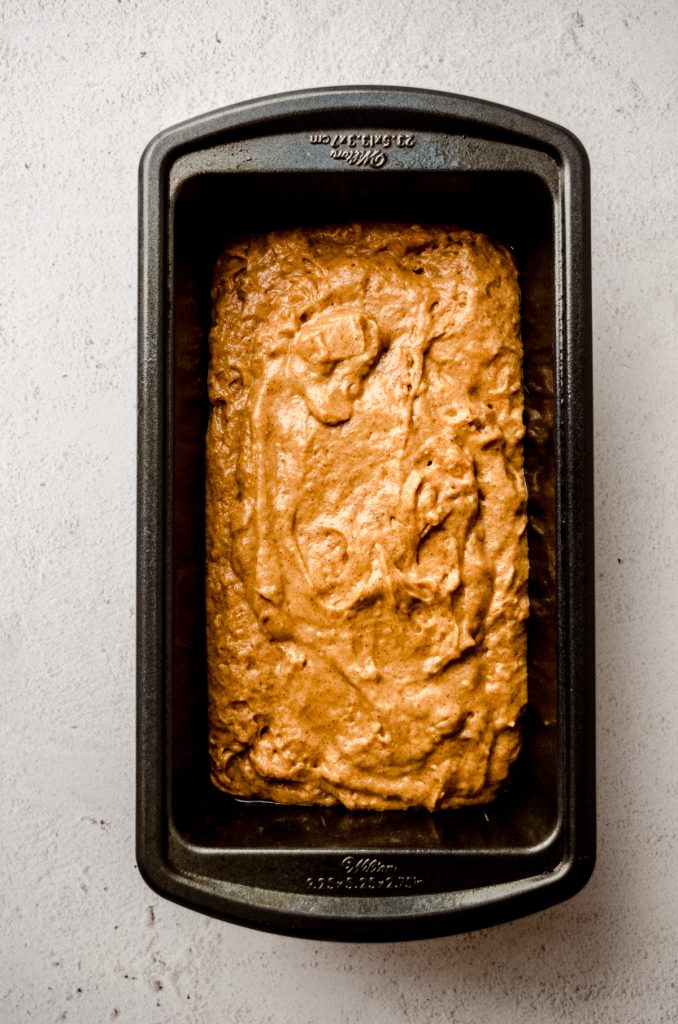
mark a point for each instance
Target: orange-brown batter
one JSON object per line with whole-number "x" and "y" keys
{"x": 366, "y": 547}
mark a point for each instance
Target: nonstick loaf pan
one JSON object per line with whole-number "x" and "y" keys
{"x": 327, "y": 156}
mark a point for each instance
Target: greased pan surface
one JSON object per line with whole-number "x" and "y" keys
{"x": 329, "y": 156}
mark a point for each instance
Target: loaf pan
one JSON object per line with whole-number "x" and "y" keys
{"x": 328, "y": 156}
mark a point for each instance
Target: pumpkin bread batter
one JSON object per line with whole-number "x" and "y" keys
{"x": 366, "y": 524}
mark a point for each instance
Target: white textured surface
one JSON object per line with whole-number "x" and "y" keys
{"x": 85, "y": 86}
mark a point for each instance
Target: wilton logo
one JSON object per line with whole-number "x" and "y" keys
{"x": 366, "y": 865}
{"x": 363, "y": 149}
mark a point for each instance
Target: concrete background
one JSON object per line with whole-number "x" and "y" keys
{"x": 85, "y": 86}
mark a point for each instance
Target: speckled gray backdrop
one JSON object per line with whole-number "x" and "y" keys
{"x": 85, "y": 86}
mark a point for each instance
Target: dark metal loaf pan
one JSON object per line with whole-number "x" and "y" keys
{"x": 318, "y": 157}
